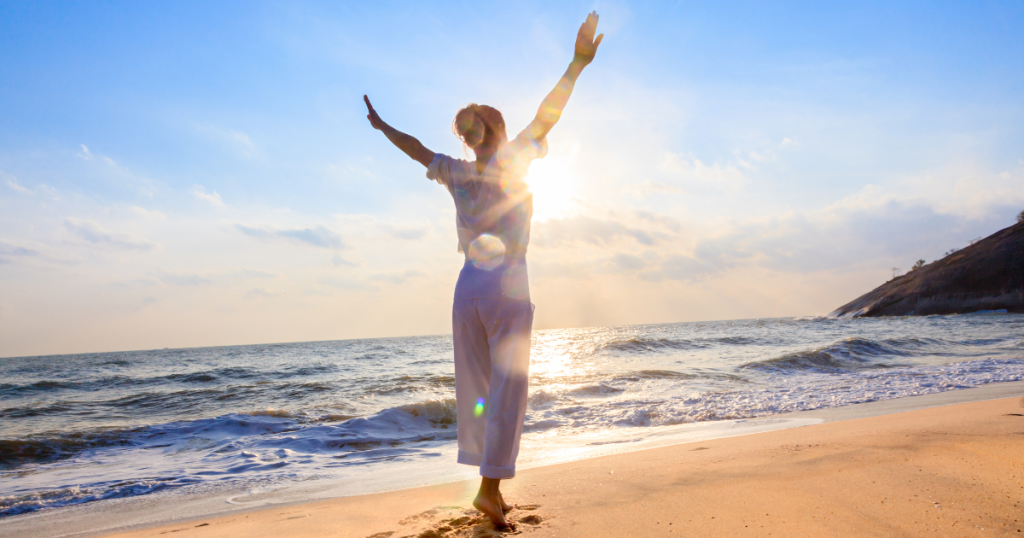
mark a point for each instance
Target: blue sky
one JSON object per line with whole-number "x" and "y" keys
{"x": 193, "y": 174}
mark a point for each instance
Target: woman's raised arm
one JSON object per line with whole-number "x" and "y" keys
{"x": 551, "y": 108}
{"x": 409, "y": 144}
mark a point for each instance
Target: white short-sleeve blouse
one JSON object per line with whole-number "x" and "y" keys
{"x": 493, "y": 209}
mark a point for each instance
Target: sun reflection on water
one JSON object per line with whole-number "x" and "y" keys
{"x": 561, "y": 356}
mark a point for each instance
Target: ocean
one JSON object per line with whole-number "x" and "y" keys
{"x": 356, "y": 416}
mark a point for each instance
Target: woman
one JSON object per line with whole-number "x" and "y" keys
{"x": 492, "y": 315}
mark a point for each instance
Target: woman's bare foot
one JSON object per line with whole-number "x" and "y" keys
{"x": 492, "y": 511}
{"x": 505, "y": 507}
{"x": 488, "y": 500}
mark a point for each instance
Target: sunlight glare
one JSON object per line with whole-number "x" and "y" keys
{"x": 552, "y": 183}
{"x": 552, "y": 359}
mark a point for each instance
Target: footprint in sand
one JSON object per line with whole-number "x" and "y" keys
{"x": 417, "y": 517}
{"x": 471, "y": 524}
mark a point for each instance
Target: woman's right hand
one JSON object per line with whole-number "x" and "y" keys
{"x": 375, "y": 120}
{"x": 404, "y": 142}
{"x": 586, "y": 45}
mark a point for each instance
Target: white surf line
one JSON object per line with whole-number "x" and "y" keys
{"x": 180, "y": 506}
{"x": 990, "y": 391}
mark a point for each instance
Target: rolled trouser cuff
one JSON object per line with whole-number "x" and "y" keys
{"x": 469, "y": 458}
{"x": 490, "y": 471}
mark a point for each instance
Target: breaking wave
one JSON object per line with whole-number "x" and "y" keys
{"x": 156, "y": 420}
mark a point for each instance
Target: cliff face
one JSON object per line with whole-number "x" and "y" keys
{"x": 988, "y": 275}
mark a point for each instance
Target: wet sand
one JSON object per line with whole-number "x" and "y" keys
{"x": 956, "y": 470}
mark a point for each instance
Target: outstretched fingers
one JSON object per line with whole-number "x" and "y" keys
{"x": 587, "y": 29}
{"x": 586, "y": 45}
{"x": 591, "y": 24}
{"x": 372, "y": 116}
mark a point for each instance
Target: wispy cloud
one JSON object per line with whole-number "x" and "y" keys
{"x": 147, "y": 214}
{"x": 843, "y": 236}
{"x": 758, "y": 156}
{"x": 679, "y": 267}
{"x": 650, "y": 187}
{"x": 93, "y": 233}
{"x": 337, "y": 260}
{"x": 261, "y": 293}
{"x": 8, "y": 251}
{"x": 251, "y": 274}
{"x": 348, "y": 172}
{"x": 367, "y": 225}
{"x": 237, "y": 140}
{"x": 317, "y": 236}
{"x": 13, "y": 183}
{"x": 48, "y": 190}
{"x": 589, "y": 229}
{"x": 101, "y": 166}
{"x": 87, "y": 155}
{"x": 179, "y": 278}
{"x": 228, "y": 278}
{"x": 241, "y": 139}
{"x": 343, "y": 283}
{"x": 696, "y": 173}
{"x": 19, "y": 252}
{"x": 210, "y": 197}
{"x": 404, "y": 231}
{"x": 396, "y": 278}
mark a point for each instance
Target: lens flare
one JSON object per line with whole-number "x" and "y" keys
{"x": 487, "y": 251}
{"x": 479, "y": 409}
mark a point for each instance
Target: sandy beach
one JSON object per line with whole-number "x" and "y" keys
{"x": 956, "y": 470}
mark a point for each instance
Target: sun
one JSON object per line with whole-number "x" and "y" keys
{"x": 552, "y": 183}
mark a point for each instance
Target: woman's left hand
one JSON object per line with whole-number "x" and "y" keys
{"x": 586, "y": 45}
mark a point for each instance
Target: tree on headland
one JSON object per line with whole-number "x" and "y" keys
{"x": 951, "y": 251}
{"x": 895, "y": 271}
{"x": 1020, "y": 216}
{"x": 917, "y": 265}
{"x": 987, "y": 275}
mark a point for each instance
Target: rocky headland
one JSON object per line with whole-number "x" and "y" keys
{"x": 988, "y": 275}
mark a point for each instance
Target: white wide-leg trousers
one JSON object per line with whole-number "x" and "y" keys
{"x": 492, "y": 363}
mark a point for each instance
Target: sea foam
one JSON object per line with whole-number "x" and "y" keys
{"x": 130, "y": 424}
